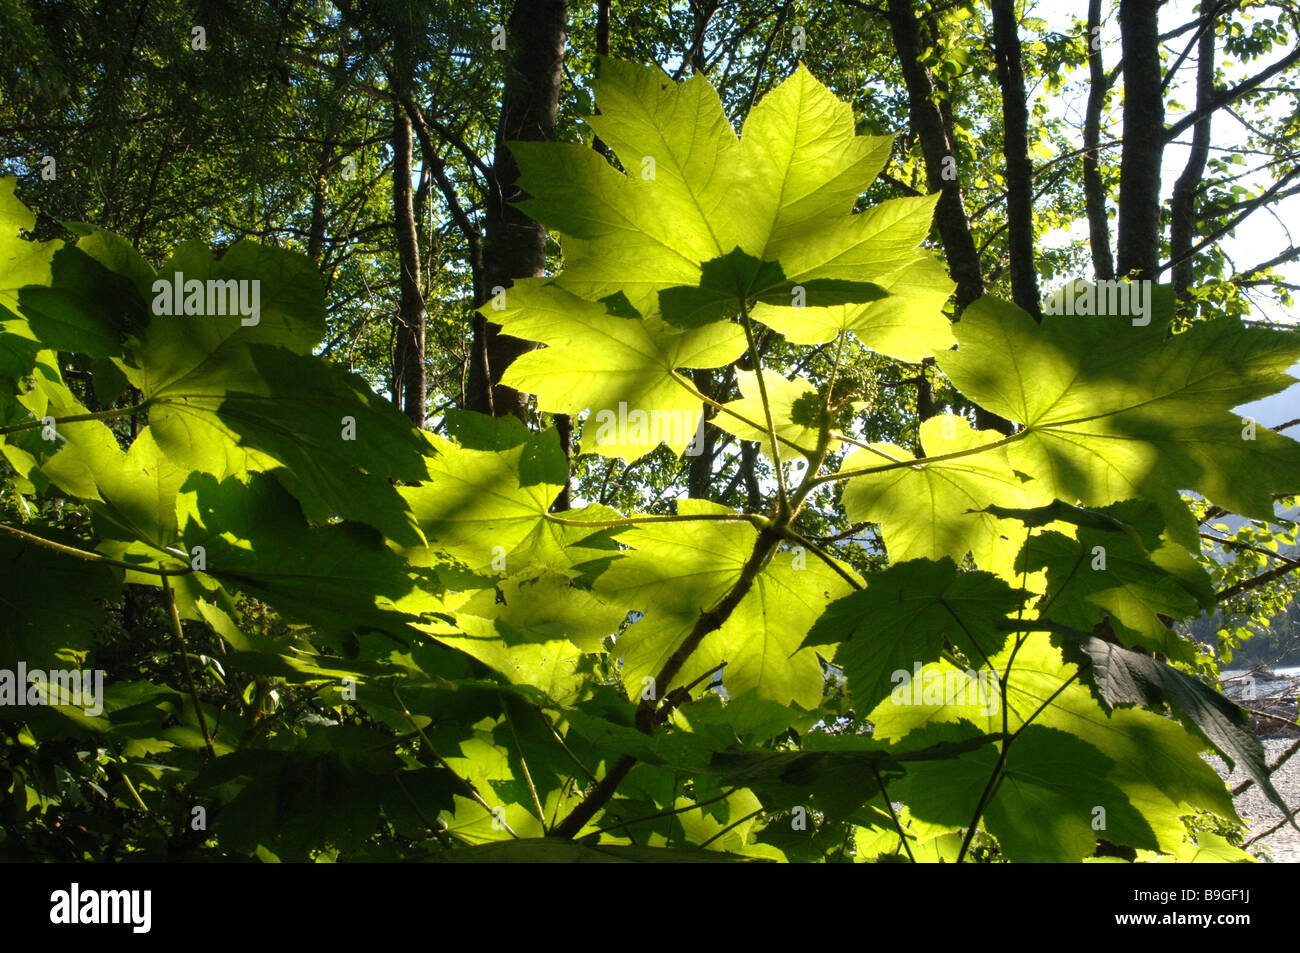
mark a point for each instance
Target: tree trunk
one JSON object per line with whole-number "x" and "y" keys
{"x": 516, "y": 245}
{"x": 319, "y": 197}
{"x": 699, "y": 480}
{"x": 1015, "y": 146}
{"x": 436, "y": 167}
{"x": 1183, "y": 218}
{"x": 320, "y": 188}
{"x": 409, "y": 383}
{"x": 1144, "y": 141}
{"x": 563, "y": 422}
{"x": 926, "y": 121}
{"x": 1094, "y": 191}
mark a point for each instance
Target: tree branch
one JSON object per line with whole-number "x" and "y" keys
{"x": 1228, "y": 96}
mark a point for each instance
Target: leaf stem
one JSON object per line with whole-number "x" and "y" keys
{"x": 725, "y": 409}
{"x": 996, "y": 775}
{"x": 755, "y": 519}
{"x": 902, "y": 834}
{"x": 439, "y": 829}
{"x": 650, "y": 712}
{"x": 469, "y": 785}
{"x": 782, "y": 492}
{"x": 824, "y": 556}
{"x": 185, "y": 664}
{"x": 76, "y": 418}
{"x": 567, "y": 750}
{"x": 523, "y": 763}
{"x": 669, "y": 813}
{"x": 733, "y": 824}
{"x": 922, "y": 462}
{"x": 89, "y": 556}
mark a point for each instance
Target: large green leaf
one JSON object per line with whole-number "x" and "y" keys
{"x": 792, "y": 424}
{"x": 902, "y": 619}
{"x": 332, "y": 788}
{"x": 675, "y": 571}
{"x": 1154, "y": 762}
{"x": 324, "y": 434}
{"x": 291, "y": 310}
{"x": 488, "y": 508}
{"x": 736, "y": 278}
{"x": 230, "y": 398}
{"x": 695, "y": 194}
{"x": 22, "y": 263}
{"x": 340, "y": 578}
{"x": 935, "y": 509}
{"x": 1114, "y": 411}
{"x": 1124, "y": 677}
{"x": 908, "y": 324}
{"x": 597, "y": 361}
{"x": 1045, "y": 806}
{"x": 134, "y": 493}
{"x": 534, "y": 630}
{"x": 1107, "y": 575}
{"x": 49, "y": 602}
{"x": 87, "y": 308}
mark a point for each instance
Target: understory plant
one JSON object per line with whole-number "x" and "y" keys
{"x": 325, "y": 634}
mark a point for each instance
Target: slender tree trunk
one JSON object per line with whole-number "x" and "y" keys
{"x": 699, "y": 479}
{"x": 436, "y": 167}
{"x": 704, "y": 11}
{"x": 1094, "y": 191}
{"x": 320, "y": 190}
{"x": 926, "y": 120}
{"x": 1144, "y": 141}
{"x": 602, "y": 27}
{"x": 319, "y": 196}
{"x": 602, "y": 50}
{"x": 761, "y": 66}
{"x": 930, "y": 125}
{"x": 1015, "y": 145}
{"x": 563, "y": 422}
{"x": 749, "y": 473}
{"x": 516, "y": 245}
{"x": 409, "y": 383}
{"x": 1183, "y": 218}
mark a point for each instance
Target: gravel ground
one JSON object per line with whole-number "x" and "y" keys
{"x": 1258, "y": 811}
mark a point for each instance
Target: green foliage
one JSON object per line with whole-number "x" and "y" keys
{"x": 389, "y": 644}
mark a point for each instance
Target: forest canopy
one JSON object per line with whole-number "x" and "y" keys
{"x": 735, "y": 431}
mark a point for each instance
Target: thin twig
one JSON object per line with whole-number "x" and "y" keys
{"x": 523, "y": 763}
{"x": 733, "y": 824}
{"x": 782, "y": 492}
{"x": 661, "y": 814}
{"x": 902, "y": 834}
{"x": 439, "y": 829}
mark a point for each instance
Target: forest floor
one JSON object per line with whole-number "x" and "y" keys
{"x": 1272, "y": 691}
{"x": 1258, "y": 811}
